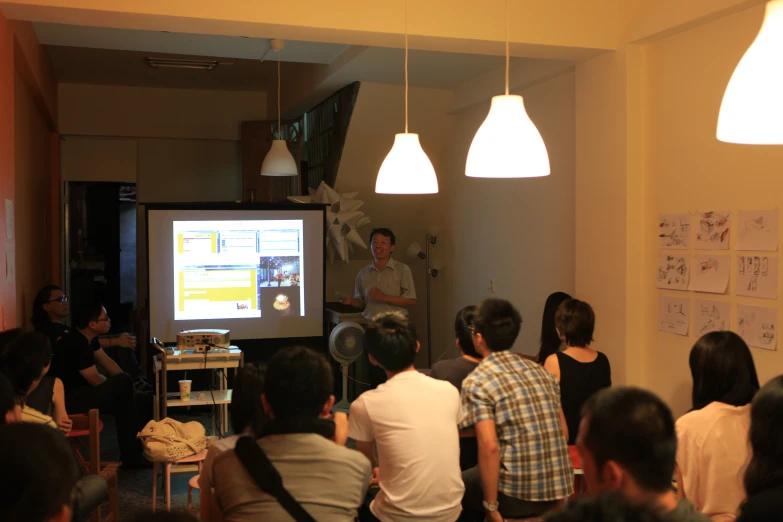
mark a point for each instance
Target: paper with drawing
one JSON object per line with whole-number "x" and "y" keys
{"x": 674, "y": 231}
{"x": 757, "y": 276}
{"x": 712, "y": 230}
{"x": 673, "y": 315}
{"x": 758, "y": 230}
{"x": 711, "y": 316}
{"x": 673, "y": 272}
{"x": 710, "y": 274}
{"x": 758, "y": 326}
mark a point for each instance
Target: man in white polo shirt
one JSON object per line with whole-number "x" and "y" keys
{"x": 412, "y": 419}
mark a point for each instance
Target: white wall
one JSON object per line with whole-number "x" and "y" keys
{"x": 519, "y": 232}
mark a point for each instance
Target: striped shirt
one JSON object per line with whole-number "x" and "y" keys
{"x": 523, "y": 400}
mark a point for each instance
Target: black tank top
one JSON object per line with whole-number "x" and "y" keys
{"x": 41, "y": 397}
{"x": 578, "y": 381}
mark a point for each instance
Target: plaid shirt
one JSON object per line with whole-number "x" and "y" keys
{"x": 523, "y": 399}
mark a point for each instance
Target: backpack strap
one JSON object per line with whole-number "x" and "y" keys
{"x": 268, "y": 478}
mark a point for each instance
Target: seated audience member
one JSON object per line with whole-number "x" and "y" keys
{"x": 327, "y": 479}
{"x": 50, "y": 309}
{"x": 550, "y": 339}
{"x": 40, "y": 479}
{"x": 10, "y": 410}
{"x": 628, "y": 444}
{"x": 610, "y": 507}
{"x": 764, "y": 476}
{"x": 39, "y": 474}
{"x": 85, "y": 388}
{"x": 455, "y": 370}
{"x": 581, "y": 370}
{"x": 247, "y": 418}
{"x": 26, "y": 361}
{"x": 412, "y": 419}
{"x": 514, "y": 404}
{"x": 713, "y": 449}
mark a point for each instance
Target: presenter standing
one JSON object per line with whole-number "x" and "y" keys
{"x": 385, "y": 285}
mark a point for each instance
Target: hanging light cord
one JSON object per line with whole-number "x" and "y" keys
{"x": 507, "y": 54}
{"x": 406, "y": 66}
{"x": 279, "y": 128}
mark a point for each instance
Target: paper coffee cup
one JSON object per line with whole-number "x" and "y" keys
{"x": 184, "y": 390}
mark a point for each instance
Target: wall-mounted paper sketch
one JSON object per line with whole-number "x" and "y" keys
{"x": 674, "y": 231}
{"x": 710, "y": 274}
{"x": 758, "y": 326}
{"x": 673, "y": 272}
{"x": 673, "y": 315}
{"x": 711, "y": 316}
{"x": 712, "y": 230}
{"x": 757, "y": 276}
{"x": 758, "y": 230}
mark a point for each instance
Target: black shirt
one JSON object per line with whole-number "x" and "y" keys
{"x": 453, "y": 370}
{"x": 578, "y": 381}
{"x": 73, "y": 353}
{"x": 765, "y": 506}
{"x": 54, "y": 331}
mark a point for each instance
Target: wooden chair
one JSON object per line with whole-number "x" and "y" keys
{"x": 75, "y": 435}
{"x": 164, "y": 468}
{"x": 107, "y": 470}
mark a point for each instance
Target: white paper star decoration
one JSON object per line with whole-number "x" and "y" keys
{"x": 343, "y": 217}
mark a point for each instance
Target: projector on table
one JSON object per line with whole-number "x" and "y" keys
{"x": 203, "y": 340}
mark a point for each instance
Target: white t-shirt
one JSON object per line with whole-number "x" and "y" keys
{"x": 413, "y": 420}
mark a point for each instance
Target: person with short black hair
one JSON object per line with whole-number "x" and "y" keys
{"x": 328, "y": 480}
{"x": 713, "y": 449}
{"x": 247, "y": 418}
{"x": 550, "y": 342}
{"x": 455, "y": 370}
{"x": 514, "y": 405}
{"x": 39, "y": 474}
{"x": 10, "y": 409}
{"x": 581, "y": 370}
{"x": 26, "y": 361}
{"x": 412, "y": 420}
{"x": 50, "y": 310}
{"x": 75, "y": 364}
{"x": 385, "y": 285}
{"x": 628, "y": 444}
{"x": 609, "y": 507}
{"x": 764, "y": 476}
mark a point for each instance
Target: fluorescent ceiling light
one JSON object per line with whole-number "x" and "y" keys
{"x": 176, "y": 63}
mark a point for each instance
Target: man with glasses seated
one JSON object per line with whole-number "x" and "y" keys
{"x": 75, "y": 359}
{"x": 385, "y": 285}
{"x": 50, "y": 310}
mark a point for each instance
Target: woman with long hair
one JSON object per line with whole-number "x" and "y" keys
{"x": 550, "y": 339}
{"x": 764, "y": 476}
{"x": 713, "y": 449}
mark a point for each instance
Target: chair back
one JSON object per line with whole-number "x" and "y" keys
{"x": 95, "y": 442}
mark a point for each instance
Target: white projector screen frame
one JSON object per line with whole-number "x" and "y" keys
{"x": 160, "y": 220}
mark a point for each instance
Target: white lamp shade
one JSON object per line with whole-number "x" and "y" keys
{"x": 406, "y": 169}
{"x": 279, "y": 161}
{"x": 752, "y": 107}
{"x": 508, "y": 144}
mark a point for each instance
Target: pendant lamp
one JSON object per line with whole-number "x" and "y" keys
{"x": 508, "y": 144}
{"x": 752, "y": 107}
{"x": 278, "y": 161}
{"x": 406, "y": 169}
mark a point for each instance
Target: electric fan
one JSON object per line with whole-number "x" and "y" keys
{"x": 345, "y": 345}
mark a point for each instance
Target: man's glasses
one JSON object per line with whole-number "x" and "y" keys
{"x": 61, "y": 299}
{"x": 384, "y": 243}
{"x": 107, "y": 319}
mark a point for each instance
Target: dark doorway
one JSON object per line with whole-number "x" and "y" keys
{"x": 101, "y": 233}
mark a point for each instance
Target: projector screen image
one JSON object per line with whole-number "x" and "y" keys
{"x": 258, "y": 273}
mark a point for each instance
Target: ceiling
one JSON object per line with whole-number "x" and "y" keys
{"x": 105, "y": 56}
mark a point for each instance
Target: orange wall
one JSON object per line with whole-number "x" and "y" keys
{"x": 25, "y": 66}
{"x": 7, "y": 278}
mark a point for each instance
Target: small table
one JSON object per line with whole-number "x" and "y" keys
{"x": 188, "y": 360}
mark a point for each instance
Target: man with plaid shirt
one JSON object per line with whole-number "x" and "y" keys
{"x": 514, "y": 404}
